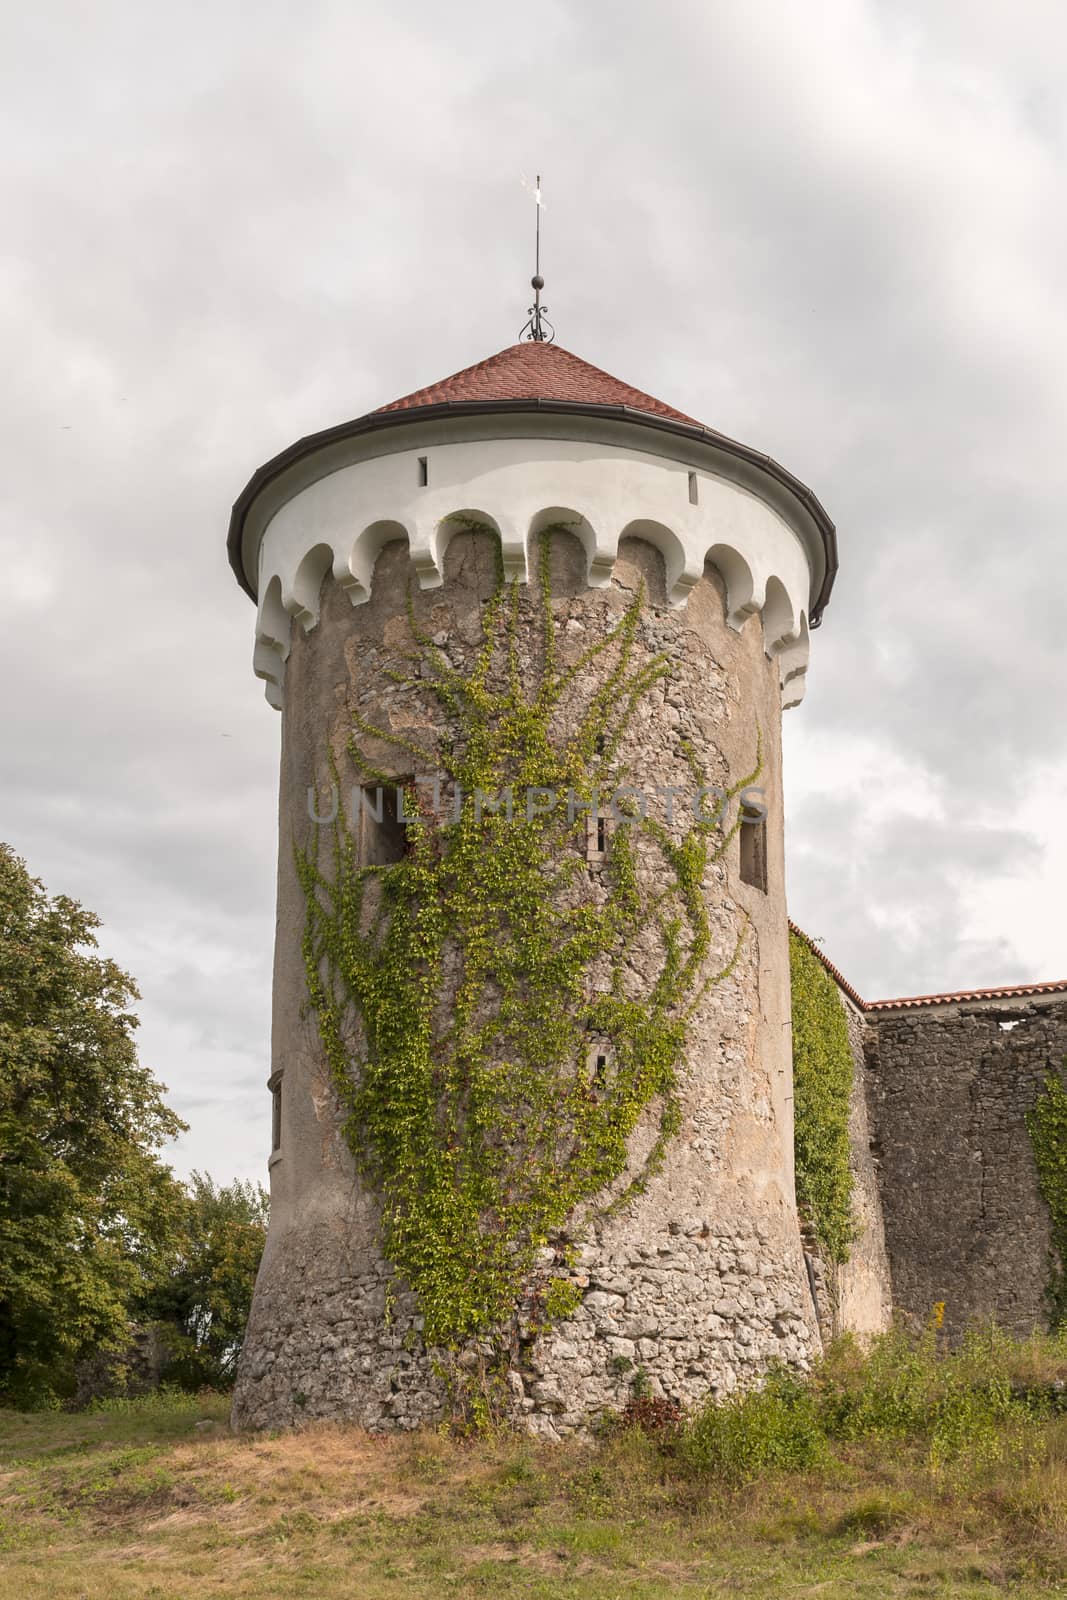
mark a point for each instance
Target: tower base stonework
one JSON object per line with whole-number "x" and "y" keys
{"x": 697, "y": 1283}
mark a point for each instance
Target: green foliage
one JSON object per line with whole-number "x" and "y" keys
{"x": 206, "y": 1292}
{"x": 902, "y": 1390}
{"x": 454, "y": 989}
{"x": 822, "y": 1086}
{"x": 773, "y": 1429}
{"x": 88, "y": 1213}
{"x": 168, "y": 1400}
{"x": 907, "y": 1387}
{"x": 561, "y": 1299}
{"x": 1046, "y": 1123}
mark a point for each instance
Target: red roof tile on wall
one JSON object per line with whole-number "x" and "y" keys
{"x": 536, "y": 371}
{"x": 1011, "y": 991}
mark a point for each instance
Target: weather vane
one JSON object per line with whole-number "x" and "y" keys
{"x": 538, "y": 327}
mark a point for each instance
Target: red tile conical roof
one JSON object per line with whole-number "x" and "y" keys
{"x": 536, "y": 371}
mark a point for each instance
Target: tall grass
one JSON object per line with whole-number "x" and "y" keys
{"x": 168, "y": 1398}
{"x": 899, "y": 1389}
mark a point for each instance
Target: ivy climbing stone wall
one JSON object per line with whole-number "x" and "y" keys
{"x": 837, "y": 1167}
{"x": 695, "y": 1281}
{"x": 964, "y": 1219}
{"x": 864, "y": 1296}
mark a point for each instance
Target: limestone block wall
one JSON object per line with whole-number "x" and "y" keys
{"x": 964, "y": 1221}
{"x": 699, "y": 1280}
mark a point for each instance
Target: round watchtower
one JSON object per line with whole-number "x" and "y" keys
{"x": 530, "y": 632}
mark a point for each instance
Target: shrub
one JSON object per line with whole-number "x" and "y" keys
{"x": 905, "y": 1387}
{"x": 958, "y": 1406}
{"x": 652, "y": 1414}
{"x": 773, "y": 1429}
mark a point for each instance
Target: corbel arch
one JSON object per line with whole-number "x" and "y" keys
{"x": 680, "y": 578}
{"x": 302, "y": 599}
{"x": 356, "y": 572}
{"x": 736, "y": 574}
{"x": 599, "y": 557}
{"x": 781, "y": 625}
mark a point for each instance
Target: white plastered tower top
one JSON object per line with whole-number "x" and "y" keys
{"x": 531, "y": 437}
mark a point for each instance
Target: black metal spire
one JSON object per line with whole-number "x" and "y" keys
{"x": 538, "y": 328}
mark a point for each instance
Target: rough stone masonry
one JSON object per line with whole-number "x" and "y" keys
{"x": 950, "y": 1085}
{"x": 698, "y": 1283}
{"x": 946, "y": 1191}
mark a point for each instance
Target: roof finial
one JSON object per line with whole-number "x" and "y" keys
{"x": 538, "y": 328}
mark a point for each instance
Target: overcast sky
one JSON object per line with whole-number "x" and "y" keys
{"x": 836, "y": 231}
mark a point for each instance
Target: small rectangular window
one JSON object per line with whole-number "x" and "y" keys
{"x": 754, "y": 849}
{"x": 597, "y": 833}
{"x": 383, "y": 834}
{"x": 424, "y": 471}
{"x": 694, "y": 492}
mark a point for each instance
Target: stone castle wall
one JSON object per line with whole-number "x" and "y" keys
{"x": 700, "y": 1280}
{"x": 964, "y": 1221}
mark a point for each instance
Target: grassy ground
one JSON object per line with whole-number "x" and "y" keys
{"x": 158, "y": 1499}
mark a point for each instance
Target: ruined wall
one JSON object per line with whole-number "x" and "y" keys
{"x": 700, "y": 1280}
{"x": 964, "y": 1221}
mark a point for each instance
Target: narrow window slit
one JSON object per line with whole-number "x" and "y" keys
{"x": 598, "y": 1064}
{"x": 274, "y": 1084}
{"x": 424, "y": 471}
{"x": 694, "y": 491}
{"x": 754, "y": 849}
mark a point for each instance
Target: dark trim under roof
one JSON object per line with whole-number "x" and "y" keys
{"x": 375, "y": 420}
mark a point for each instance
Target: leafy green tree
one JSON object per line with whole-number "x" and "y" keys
{"x": 89, "y": 1214}
{"x": 206, "y": 1294}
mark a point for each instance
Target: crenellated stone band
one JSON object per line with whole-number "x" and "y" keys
{"x": 335, "y": 515}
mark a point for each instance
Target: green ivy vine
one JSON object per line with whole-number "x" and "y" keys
{"x": 454, "y": 989}
{"x": 1046, "y": 1123}
{"x": 822, "y": 1088}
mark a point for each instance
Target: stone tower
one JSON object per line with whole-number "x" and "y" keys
{"x": 667, "y": 577}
